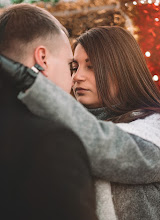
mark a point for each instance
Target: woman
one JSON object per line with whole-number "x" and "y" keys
{"x": 117, "y": 74}
{"x": 112, "y": 80}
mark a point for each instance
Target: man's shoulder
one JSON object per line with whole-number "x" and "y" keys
{"x": 46, "y": 127}
{"x": 43, "y": 123}
{"x": 54, "y": 134}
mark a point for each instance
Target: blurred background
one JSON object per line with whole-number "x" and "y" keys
{"x": 140, "y": 17}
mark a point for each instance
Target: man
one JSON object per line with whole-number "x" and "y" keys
{"x": 44, "y": 169}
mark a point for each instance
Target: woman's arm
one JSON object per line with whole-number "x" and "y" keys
{"x": 114, "y": 154}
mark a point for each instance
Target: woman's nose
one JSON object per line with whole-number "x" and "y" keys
{"x": 78, "y": 76}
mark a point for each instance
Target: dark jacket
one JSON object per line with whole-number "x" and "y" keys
{"x": 44, "y": 170}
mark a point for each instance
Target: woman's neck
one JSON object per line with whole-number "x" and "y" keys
{"x": 100, "y": 113}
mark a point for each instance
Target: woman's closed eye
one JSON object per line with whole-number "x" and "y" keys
{"x": 73, "y": 68}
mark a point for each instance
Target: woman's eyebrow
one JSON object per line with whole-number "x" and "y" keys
{"x": 86, "y": 60}
{"x": 74, "y": 61}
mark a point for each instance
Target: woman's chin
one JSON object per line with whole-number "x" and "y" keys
{"x": 83, "y": 100}
{"x": 87, "y": 104}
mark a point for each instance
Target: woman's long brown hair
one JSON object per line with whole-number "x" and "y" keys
{"x": 119, "y": 63}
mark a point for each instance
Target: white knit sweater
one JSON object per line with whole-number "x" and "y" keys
{"x": 148, "y": 129}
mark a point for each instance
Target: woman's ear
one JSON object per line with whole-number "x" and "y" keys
{"x": 40, "y": 55}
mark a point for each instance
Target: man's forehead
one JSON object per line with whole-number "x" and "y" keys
{"x": 61, "y": 39}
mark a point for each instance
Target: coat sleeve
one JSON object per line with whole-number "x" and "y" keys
{"x": 114, "y": 154}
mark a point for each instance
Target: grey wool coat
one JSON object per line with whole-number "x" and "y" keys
{"x": 130, "y": 163}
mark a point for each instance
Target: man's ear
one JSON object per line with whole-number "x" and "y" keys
{"x": 40, "y": 55}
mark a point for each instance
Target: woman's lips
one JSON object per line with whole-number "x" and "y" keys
{"x": 80, "y": 90}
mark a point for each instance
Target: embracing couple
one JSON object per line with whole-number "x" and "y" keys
{"x": 96, "y": 157}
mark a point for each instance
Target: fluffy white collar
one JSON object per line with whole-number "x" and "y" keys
{"x": 147, "y": 128}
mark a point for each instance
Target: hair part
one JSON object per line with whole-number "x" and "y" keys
{"x": 23, "y": 24}
{"x": 119, "y": 63}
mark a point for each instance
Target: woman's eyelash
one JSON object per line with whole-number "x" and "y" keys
{"x": 73, "y": 68}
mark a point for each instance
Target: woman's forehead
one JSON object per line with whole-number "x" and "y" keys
{"x": 80, "y": 54}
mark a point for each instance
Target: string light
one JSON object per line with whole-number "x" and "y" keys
{"x": 148, "y": 54}
{"x": 155, "y": 78}
{"x": 134, "y": 3}
{"x": 157, "y": 2}
{"x": 148, "y": 22}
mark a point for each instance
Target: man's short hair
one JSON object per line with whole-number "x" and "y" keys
{"x": 21, "y": 24}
